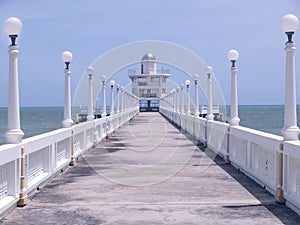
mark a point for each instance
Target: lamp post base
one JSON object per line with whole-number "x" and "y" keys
{"x": 67, "y": 123}
{"x": 234, "y": 121}
{"x": 103, "y": 115}
{"x": 290, "y": 133}
{"x": 209, "y": 117}
{"x": 90, "y": 117}
{"x": 14, "y": 136}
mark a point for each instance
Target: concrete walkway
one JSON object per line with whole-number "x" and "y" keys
{"x": 150, "y": 173}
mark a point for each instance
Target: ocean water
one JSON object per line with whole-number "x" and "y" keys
{"x": 38, "y": 120}
{"x": 34, "y": 120}
{"x": 267, "y": 118}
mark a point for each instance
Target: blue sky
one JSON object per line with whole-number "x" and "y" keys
{"x": 89, "y": 28}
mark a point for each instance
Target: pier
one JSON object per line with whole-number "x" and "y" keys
{"x": 172, "y": 165}
{"x": 169, "y": 180}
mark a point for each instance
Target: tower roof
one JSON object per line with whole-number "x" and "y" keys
{"x": 148, "y": 56}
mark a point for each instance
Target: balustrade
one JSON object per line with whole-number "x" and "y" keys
{"x": 47, "y": 154}
{"x": 256, "y": 153}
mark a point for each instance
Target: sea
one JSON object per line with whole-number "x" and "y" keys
{"x": 38, "y": 120}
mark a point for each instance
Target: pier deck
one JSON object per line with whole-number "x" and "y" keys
{"x": 148, "y": 172}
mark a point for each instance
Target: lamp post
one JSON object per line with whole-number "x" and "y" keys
{"x": 90, "y": 116}
{"x": 117, "y": 99}
{"x": 188, "y": 109}
{"x": 174, "y": 99}
{"x": 14, "y": 134}
{"x": 66, "y": 57}
{"x": 290, "y": 131}
{"x": 122, "y": 99}
{"x": 209, "y": 115}
{"x": 182, "y": 100}
{"x": 103, "y": 114}
{"x": 196, "y": 78}
{"x": 178, "y": 99}
{"x": 112, "y": 83}
{"x": 233, "y": 55}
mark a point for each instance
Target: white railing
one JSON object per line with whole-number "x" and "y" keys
{"x": 47, "y": 154}
{"x": 291, "y": 174}
{"x": 266, "y": 158}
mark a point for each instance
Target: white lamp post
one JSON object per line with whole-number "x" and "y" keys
{"x": 174, "y": 99}
{"x": 122, "y": 99}
{"x": 209, "y": 115}
{"x": 118, "y": 99}
{"x": 14, "y": 134}
{"x": 103, "y": 114}
{"x": 90, "y": 116}
{"x": 233, "y": 55}
{"x": 188, "y": 109}
{"x": 178, "y": 99}
{"x": 196, "y": 78}
{"x": 182, "y": 100}
{"x": 112, "y": 83}
{"x": 290, "y": 131}
{"x": 66, "y": 57}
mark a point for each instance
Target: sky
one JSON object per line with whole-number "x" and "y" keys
{"x": 90, "y": 28}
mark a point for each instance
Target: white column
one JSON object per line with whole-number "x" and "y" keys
{"x": 67, "y": 121}
{"x": 90, "y": 115}
{"x": 234, "y": 119}
{"x": 103, "y": 114}
{"x": 66, "y": 57}
{"x": 122, "y": 99}
{"x": 112, "y": 83}
{"x": 196, "y": 78}
{"x": 118, "y": 99}
{"x": 188, "y": 107}
{"x": 178, "y": 99}
{"x": 182, "y": 99}
{"x": 13, "y": 133}
{"x": 290, "y": 130}
{"x": 209, "y": 115}
{"x": 174, "y": 99}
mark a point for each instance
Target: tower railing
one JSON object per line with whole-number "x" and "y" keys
{"x": 147, "y": 72}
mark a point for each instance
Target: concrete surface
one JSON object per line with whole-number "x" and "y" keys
{"x": 150, "y": 173}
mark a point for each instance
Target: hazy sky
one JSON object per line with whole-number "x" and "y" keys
{"x": 89, "y": 28}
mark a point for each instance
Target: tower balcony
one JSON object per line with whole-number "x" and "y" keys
{"x": 162, "y": 71}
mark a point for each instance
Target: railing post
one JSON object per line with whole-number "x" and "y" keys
{"x": 72, "y": 161}
{"x": 227, "y": 157}
{"x": 279, "y": 192}
{"x": 23, "y": 193}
